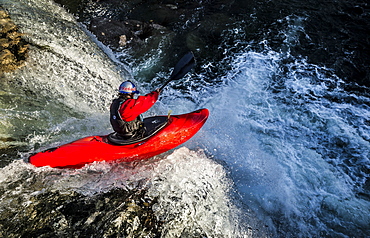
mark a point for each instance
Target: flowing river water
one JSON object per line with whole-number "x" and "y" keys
{"x": 285, "y": 152}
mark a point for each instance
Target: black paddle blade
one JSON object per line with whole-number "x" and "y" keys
{"x": 185, "y": 64}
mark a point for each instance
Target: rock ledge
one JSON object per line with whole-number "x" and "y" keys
{"x": 13, "y": 49}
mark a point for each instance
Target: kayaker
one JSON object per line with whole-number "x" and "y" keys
{"x": 125, "y": 111}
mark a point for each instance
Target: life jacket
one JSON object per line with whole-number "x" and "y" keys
{"x": 123, "y": 128}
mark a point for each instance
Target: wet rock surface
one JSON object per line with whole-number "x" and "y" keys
{"x": 118, "y": 34}
{"x": 173, "y": 27}
{"x": 13, "y": 49}
{"x": 207, "y": 27}
{"x": 56, "y": 214}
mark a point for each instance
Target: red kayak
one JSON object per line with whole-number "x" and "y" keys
{"x": 162, "y": 134}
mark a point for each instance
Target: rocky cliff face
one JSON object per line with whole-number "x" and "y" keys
{"x": 13, "y": 49}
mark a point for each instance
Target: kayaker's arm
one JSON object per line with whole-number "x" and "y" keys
{"x": 132, "y": 108}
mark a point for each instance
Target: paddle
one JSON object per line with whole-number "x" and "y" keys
{"x": 185, "y": 64}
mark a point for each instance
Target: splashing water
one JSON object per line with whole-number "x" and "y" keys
{"x": 191, "y": 190}
{"x": 284, "y": 141}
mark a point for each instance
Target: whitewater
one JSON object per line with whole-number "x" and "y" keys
{"x": 285, "y": 152}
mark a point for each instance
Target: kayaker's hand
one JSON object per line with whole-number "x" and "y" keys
{"x": 158, "y": 90}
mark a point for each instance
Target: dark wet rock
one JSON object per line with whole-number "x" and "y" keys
{"x": 122, "y": 33}
{"x": 117, "y": 213}
{"x": 333, "y": 34}
{"x": 73, "y": 6}
{"x": 13, "y": 49}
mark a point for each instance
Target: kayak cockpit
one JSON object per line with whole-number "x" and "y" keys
{"x": 151, "y": 126}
